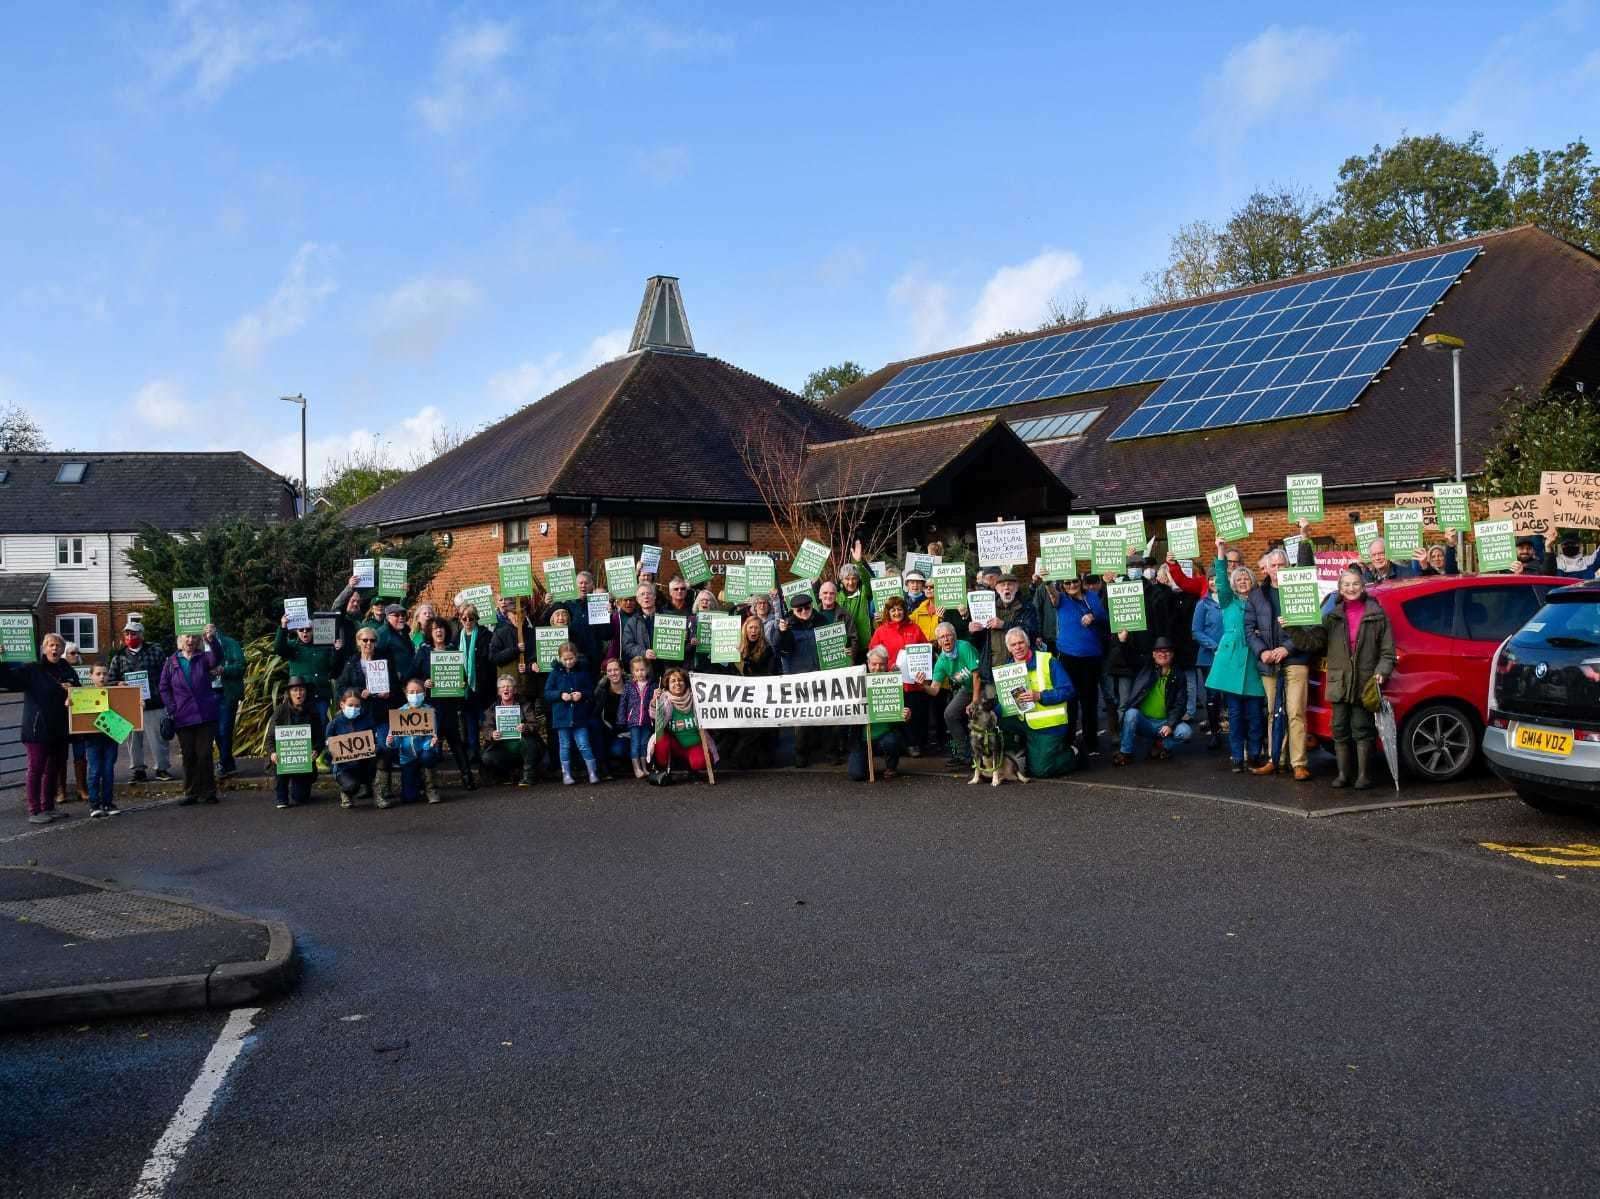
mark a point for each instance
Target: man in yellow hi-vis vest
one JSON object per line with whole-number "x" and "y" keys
{"x": 1042, "y": 704}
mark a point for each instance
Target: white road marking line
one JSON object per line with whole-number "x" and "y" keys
{"x": 169, "y": 1150}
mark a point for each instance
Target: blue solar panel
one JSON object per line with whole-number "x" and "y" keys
{"x": 1291, "y": 351}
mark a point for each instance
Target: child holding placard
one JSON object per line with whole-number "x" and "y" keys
{"x": 101, "y": 754}
{"x": 416, "y": 752}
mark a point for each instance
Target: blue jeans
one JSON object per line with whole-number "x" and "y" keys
{"x": 1242, "y": 710}
{"x": 227, "y": 716}
{"x": 565, "y": 738}
{"x": 1136, "y": 724}
{"x": 101, "y": 753}
{"x": 472, "y": 727}
{"x": 638, "y": 740}
{"x": 886, "y": 743}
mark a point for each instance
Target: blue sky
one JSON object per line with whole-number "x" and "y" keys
{"x": 424, "y": 215}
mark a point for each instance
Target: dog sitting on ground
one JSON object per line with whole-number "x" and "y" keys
{"x": 989, "y": 756}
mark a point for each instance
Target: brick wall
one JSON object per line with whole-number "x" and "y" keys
{"x": 109, "y": 620}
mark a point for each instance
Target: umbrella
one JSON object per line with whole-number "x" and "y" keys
{"x": 1389, "y": 735}
{"x": 1280, "y": 720}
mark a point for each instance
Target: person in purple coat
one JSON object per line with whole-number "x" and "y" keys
{"x": 191, "y": 704}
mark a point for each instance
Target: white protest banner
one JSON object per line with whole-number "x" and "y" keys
{"x": 980, "y": 605}
{"x": 914, "y": 660}
{"x": 1003, "y": 543}
{"x": 723, "y": 701}
{"x": 366, "y": 572}
{"x": 299, "y": 613}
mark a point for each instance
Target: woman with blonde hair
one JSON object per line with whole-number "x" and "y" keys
{"x": 1233, "y": 671}
{"x": 44, "y": 686}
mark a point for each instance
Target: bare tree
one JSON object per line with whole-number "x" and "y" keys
{"x": 444, "y": 439}
{"x": 19, "y": 432}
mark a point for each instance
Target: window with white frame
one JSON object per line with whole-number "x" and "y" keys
{"x": 69, "y": 551}
{"x": 516, "y": 532}
{"x": 81, "y": 628}
{"x": 728, "y": 532}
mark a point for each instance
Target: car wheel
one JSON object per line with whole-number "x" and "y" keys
{"x": 1439, "y": 743}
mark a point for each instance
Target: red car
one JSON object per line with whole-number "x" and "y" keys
{"x": 1446, "y": 630}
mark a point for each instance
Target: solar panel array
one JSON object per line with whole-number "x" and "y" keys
{"x": 1287, "y": 351}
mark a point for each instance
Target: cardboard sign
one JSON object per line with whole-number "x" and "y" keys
{"x": 124, "y": 700}
{"x": 981, "y": 605}
{"x": 1496, "y": 542}
{"x": 377, "y": 672}
{"x": 547, "y": 643}
{"x": 1082, "y": 528}
{"x": 914, "y": 660}
{"x": 191, "y": 609}
{"x": 83, "y": 701}
{"x": 1132, "y": 523}
{"x": 810, "y": 560}
{"x": 508, "y": 721}
{"x": 1402, "y": 532}
{"x": 1450, "y": 502}
{"x": 448, "y": 670}
{"x": 1299, "y": 597}
{"x": 292, "y": 744}
{"x": 598, "y": 606}
{"x": 1003, "y": 543}
{"x": 760, "y": 573}
{"x": 735, "y": 585}
{"x": 352, "y": 747}
{"x": 725, "y": 638}
{"x": 1008, "y": 680}
{"x": 561, "y": 578}
{"x": 692, "y": 562}
{"x": 1183, "y": 537}
{"x": 886, "y": 699}
{"x": 1227, "y": 513}
{"x": 1574, "y": 497}
{"x": 324, "y": 628}
{"x": 1423, "y": 501}
{"x": 113, "y": 726}
{"x": 16, "y": 637}
{"x": 392, "y": 576}
{"x": 299, "y": 613}
{"x": 833, "y": 649}
{"x": 1108, "y": 550}
{"x": 1305, "y": 498}
{"x": 885, "y": 587}
{"x": 1056, "y": 555}
{"x": 406, "y": 721}
{"x": 366, "y": 572}
{"x": 1529, "y": 515}
{"x": 670, "y": 637}
{"x": 1366, "y": 533}
{"x": 621, "y": 577}
{"x": 516, "y": 573}
{"x": 650, "y": 560}
{"x": 949, "y": 585}
{"x": 1125, "y": 605}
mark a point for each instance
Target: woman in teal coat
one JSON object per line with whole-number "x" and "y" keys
{"x": 1232, "y": 671}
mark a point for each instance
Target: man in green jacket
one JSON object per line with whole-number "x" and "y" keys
{"x": 231, "y": 683}
{"x": 313, "y": 663}
{"x": 857, "y": 605}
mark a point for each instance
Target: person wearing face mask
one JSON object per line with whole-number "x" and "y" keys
{"x": 138, "y": 664}
{"x": 1233, "y": 670}
{"x": 355, "y": 779}
{"x": 417, "y": 753}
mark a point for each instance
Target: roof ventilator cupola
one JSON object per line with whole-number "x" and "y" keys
{"x": 661, "y": 324}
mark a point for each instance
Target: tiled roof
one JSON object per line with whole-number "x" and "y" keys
{"x": 121, "y": 492}
{"x": 1524, "y": 309}
{"x": 890, "y": 460}
{"x": 646, "y": 426}
{"x": 18, "y": 592}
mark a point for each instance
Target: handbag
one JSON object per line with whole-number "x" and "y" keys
{"x": 169, "y": 730}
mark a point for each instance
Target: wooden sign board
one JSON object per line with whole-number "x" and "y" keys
{"x": 1528, "y": 514}
{"x": 352, "y": 747}
{"x": 1423, "y": 500}
{"x": 411, "y": 722}
{"x": 1574, "y": 497}
{"x": 127, "y": 702}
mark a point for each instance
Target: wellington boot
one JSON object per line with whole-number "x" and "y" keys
{"x": 594, "y": 771}
{"x": 1363, "y": 762}
{"x": 430, "y": 780}
{"x": 1345, "y": 752}
{"x": 386, "y": 789}
{"x": 80, "y": 772}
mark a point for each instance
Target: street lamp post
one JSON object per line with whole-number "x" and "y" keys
{"x": 305, "y": 483}
{"x": 1440, "y": 342}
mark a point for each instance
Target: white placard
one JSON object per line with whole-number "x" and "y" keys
{"x": 299, "y": 613}
{"x": 599, "y": 607}
{"x": 1003, "y": 543}
{"x": 980, "y": 605}
{"x": 915, "y": 660}
{"x": 366, "y": 572}
{"x": 377, "y": 672}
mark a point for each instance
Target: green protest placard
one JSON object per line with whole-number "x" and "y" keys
{"x": 16, "y": 637}
{"x": 883, "y": 588}
{"x": 1056, "y": 555}
{"x": 448, "y": 670}
{"x": 1299, "y": 598}
{"x": 724, "y": 638}
{"x": 191, "y": 609}
{"x": 292, "y": 744}
{"x": 1305, "y": 498}
{"x": 392, "y": 575}
{"x": 547, "y": 643}
{"x": 735, "y": 586}
{"x": 81, "y": 700}
{"x": 481, "y": 598}
{"x": 1132, "y": 523}
{"x": 621, "y": 577}
{"x": 1402, "y": 532}
{"x": 1125, "y": 605}
{"x": 670, "y": 637}
{"x": 833, "y": 650}
{"x": 886, "y": 699}
{"x": 1183, "y": 537}
{"x": 1011, "y": 677}
{"x": 114, "y": 725}
{"x": 1227, "y": 513}
{"x": 691, "y": 560}
{"x": 1496, "y": 542}
{"x": 949, "y": 585}
{"x": 561, "y": 578}
{"x": 1108, "y": 550}
{"x": 795, "y": 587}
{"x": 1366, "y": 532}
{"x": 810, "y": 561}
{"x": 1082, "y": 528}
{"x": 760, "y": 574}
{"x": 1450, "y": 502}
{"x": 597, "y": 607}
{"x": 508, "y": 721}
{"x": 516, "y": 573}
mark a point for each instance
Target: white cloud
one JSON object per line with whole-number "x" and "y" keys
{"x": 214, "y": 42}
{"x": 1278, "y": 71}
{"x": 159, "y": 404}
{"x": 663, "y": 164}
{"x": 1018, "y": 297}
{"x": 306, "y": 284}
{"x": 533, "y": 379}
{"x": 1513, "y": 82}
{"x": 414, "y": 320}
{"x": 469, "y": 82}
{"x": 924, "y": 304}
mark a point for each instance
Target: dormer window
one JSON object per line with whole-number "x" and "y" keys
{"x": 71, "y": 472}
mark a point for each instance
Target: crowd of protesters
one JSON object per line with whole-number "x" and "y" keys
{"x": 1215, "y": 657}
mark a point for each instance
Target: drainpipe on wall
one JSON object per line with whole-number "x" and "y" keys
{"x": 111, "y": 607}
{"x": 594, "y": 514}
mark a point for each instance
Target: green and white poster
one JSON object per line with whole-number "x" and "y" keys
{"x": 886, "y": 699}
{"x": 292, "y": 744}
{"x": 1132, "y": 523}
{"x": 810, "y": 561}
{"x": 1009, "y": 678}
{"x": 833, "y": 650}
{"x": 508, "y": 721}
{"x": 16, "y": 637}
{"x": 691, "y": 560}
{"x": 1450, "y": 503}
{"x": 795, "y": 587}
{"x": 113, "y": 725}
{"x": 883, "y": 588}
{"x": 735, "y": 586}
{"x": 1366, "y": 532}
{"x": 949, "y": 585}
{"x": 516, "y": 573}
{"x": 191, "y": 609}
{"x": 1082, "y": 528}
{"x": 547, "y": 643}
{"x": 365, "y": 571}
{"x": 621, "y": 577}
{"x": 1125, "y": 605}
{"x": 392, "y": 575}
{"x": 1305, "y": 498}
{"x": 1108, "y": 551}
{"x": 481, "y": 597}
{"x": 1496, "y": 543}
{"x": 670, "y": 637}
{"x": 1402, "y": 532}
{"x": 1183, "y": 537}
{"x": 724, "y": 638}
{"x": 1056, "y": 555}
{"x": 448, "y": 670}
{"x": 1227, "y": 513}
{"x": 760, "y": 574}
{"x": 561, "y": 578}
{"x": 1299, "y": 598}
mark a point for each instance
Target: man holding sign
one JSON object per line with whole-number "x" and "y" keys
{"x": 1267, "y": 612}
{"x": 1035, "y": 706}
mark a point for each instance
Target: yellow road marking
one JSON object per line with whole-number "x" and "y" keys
{"x": 1574, "y": 855}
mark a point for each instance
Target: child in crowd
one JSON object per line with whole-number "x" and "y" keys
{"x": 638, "y": 706}
{"x": 416, "y": 752}
{"x": 569, "y": 692}
{"x": 101, "y": 754}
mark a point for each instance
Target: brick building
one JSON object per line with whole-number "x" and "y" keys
{"x": 662, "y": 446}
{"x": 1324, "y": 373}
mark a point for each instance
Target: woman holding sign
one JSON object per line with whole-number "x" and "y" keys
{"x": 1233, "y": 669}
{"x": 191, "y": 704}
{"x": 897, "y": 631}
{"x": 751, "y": 749}
{"x": 44, "y": 723}
{"x": 445, "y": 683}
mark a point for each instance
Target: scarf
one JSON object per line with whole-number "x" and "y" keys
{"x": 666, "y": 704}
